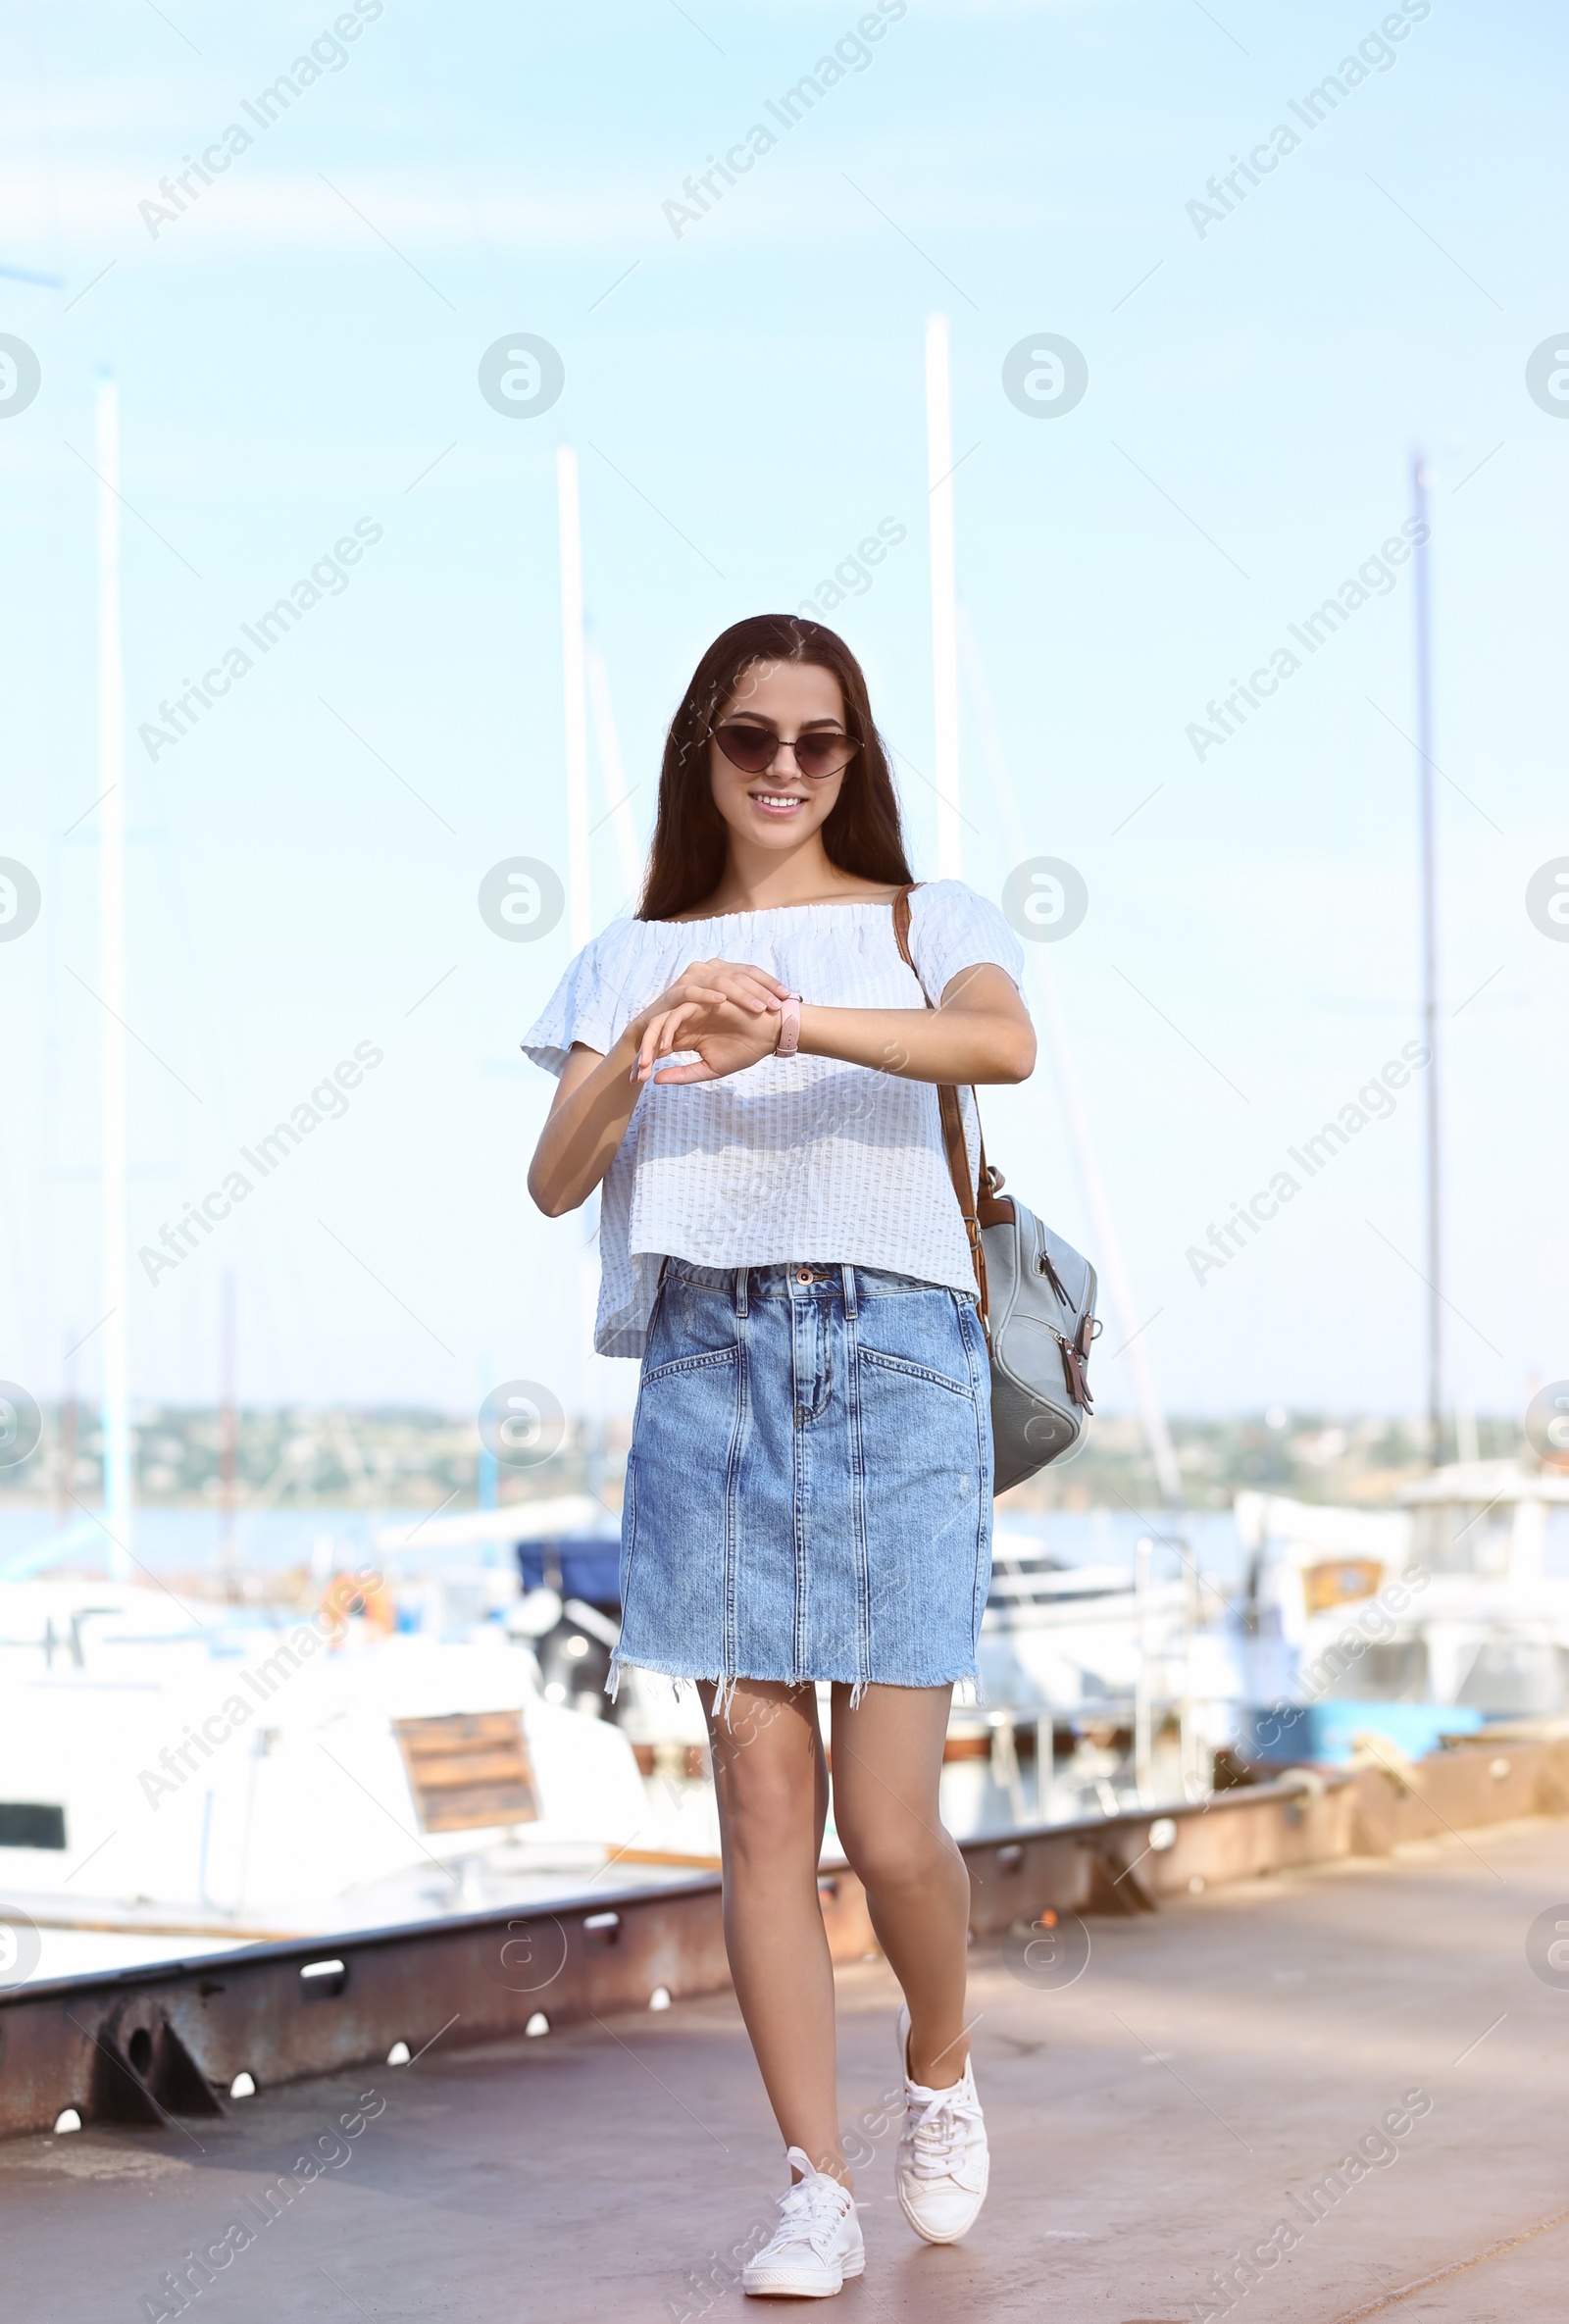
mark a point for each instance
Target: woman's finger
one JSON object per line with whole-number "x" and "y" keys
{"x": 659, "y": 1034}
{"x": 645, "y": 1047}
{"x": 712, "y": 970}
{"x": 688, "y": 1073}
{"x": 750, "y": 992}
{"x": 659, "y": 1039}
{"x": 747, "y": 968}
{"x": 705, "y": 1010}
{"x": 670, "y": 1031}
{"x": 717, "y": 982}
{"x": 747, "y": 973}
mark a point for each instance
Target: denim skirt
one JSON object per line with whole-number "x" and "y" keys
{"x": 809, "y": 1488}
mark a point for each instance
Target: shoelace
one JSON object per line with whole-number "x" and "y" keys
{"x": 940, "y": 2132}
{"x": 810, "y": 2212}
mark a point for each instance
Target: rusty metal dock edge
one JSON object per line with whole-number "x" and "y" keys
{"x": 139, "y": 2045}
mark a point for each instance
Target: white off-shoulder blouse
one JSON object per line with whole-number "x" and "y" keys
{"x": 793, "y": 1158}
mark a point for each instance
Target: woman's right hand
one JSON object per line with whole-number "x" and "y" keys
{"x": 725, "y": 1011}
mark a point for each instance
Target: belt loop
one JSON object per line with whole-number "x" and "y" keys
{"x": 741, "y": 1292}
{"x": 848, "y": 1275}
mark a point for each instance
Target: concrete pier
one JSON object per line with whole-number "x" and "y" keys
{"x": 1230, "y": 2063}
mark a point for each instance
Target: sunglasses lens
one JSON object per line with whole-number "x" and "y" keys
{"x": 753, "y": 749}
{"x": 817, "y": 755}
{"x": 750, "y": 749}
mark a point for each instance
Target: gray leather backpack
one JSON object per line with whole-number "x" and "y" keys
{"x": 1038, "y": 1298}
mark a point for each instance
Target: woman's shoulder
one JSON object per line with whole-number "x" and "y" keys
{"x": 626, "y": 940}
{"x": 618, "y": 961}
{"x": 953, "y": 925}
{"x": 949, "y": 901}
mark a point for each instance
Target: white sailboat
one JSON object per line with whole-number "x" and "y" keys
{"x": 178, "y": 1778}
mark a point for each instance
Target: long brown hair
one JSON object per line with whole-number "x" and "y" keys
{"x": 862, "y": 834}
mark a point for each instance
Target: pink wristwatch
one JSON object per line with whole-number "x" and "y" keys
{"x": 789, "y": 1025}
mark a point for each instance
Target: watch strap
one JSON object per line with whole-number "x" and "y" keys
{"x": 789, "y": 1026}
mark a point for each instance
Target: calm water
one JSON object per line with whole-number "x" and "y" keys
{"x": 189, "y": 1540}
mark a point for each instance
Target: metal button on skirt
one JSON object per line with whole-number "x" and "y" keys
{"x": 809, "y": 1488}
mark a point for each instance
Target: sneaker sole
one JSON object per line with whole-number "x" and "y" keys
{"x": 783, "y": 2284}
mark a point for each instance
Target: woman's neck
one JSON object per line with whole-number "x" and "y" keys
{"x": 760, "y": 879}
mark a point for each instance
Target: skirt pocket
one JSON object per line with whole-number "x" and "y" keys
{"x": 678, "y": 1538}
{"x": 924, "y": 1461}
{"x": 902, "y": 1366}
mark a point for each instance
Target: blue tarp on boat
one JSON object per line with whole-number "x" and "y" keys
{"x": 588, "y": 1566}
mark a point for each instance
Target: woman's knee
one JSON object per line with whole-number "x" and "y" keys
{"x": 765, "y": 1772}
{"x": 894, "y": 1850}
{"x": 763, "y": 1795}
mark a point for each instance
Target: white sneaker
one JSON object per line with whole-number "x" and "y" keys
{"x": 942, "y": 2163}
{"x": 817, "y": 2243}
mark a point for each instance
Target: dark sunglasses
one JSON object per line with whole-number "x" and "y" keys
{"x": 753, "y": 749}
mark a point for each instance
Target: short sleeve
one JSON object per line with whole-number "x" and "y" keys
{"x": 951, "y": 927}
{"x": 591, "y": 1005}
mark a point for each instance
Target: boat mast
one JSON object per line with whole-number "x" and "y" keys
{"x": 228, "y": 1436}
{"x": 575, "y": 704}
{"x": 629, "y": 849}
{"x": 116, "y": 1459}
{"x": 1422, "y": 577}
{"x": 580, "y": 906}
{"x": 944, "y": 638}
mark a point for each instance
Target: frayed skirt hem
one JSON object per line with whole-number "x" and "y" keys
{"x": 727, "y": 1682}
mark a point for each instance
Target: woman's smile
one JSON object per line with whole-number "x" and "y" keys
{"x": 781, "y": 804}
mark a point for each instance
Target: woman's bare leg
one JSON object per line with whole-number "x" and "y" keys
{"x": 888, "y": 1756}
{"x": 771, "y": 1786}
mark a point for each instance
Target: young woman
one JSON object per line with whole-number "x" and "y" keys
{"x": 809, "y": 1490}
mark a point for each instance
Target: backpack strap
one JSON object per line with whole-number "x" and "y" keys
{"x": 953, "y": 1139}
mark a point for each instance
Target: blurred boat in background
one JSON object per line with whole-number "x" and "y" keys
{"x": 1430, "y": 1618}
{"x": 428, "y": 1733}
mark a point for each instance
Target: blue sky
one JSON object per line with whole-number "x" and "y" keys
{"x": 297, "y": 353}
